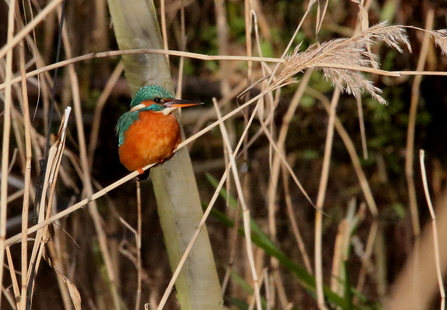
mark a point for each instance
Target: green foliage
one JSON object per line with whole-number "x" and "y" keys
{"x": 260, "y": 239}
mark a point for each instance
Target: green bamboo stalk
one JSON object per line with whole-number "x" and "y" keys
{"x": 136, "y": 26}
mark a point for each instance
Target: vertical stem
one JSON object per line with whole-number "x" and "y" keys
{"x": 138, "y": 240}
{"x": 320, "y": 201}
{"x": 26, "y": 195}
{"x": 5, "y": 145}
{"x": 409, "y": 162}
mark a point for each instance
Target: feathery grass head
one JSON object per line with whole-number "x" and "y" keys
{"x": 347, "y": 52}
{"x": 440, "y": 37}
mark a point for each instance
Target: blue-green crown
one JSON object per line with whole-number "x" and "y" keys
{"x": 150, "y": 93}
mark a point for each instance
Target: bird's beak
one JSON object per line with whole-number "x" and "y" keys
{"x": 177, "y": 103}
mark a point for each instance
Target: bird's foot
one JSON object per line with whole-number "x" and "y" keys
{"x": 143, "y": 174}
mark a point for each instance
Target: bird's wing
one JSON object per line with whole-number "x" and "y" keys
{"x": 124, "y": 123}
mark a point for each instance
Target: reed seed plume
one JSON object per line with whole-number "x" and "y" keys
{"x": 347, "y": 52}
{"x": 440, "y": 37}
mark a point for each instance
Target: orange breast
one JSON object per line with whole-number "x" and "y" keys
{"x": 151, "y": 139}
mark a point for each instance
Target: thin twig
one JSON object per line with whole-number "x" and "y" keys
{"x": 138, "y": 244}
{"x": 98, "y": 111}
{"x": 27, "y": 185}
{"x": 320, "y": 200}
{"x": 435, "y": 229}
{"x": 409, "y": 150}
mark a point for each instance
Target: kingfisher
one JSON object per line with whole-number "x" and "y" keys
{"x": 149, "y": 133}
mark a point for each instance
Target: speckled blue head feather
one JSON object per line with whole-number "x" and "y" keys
{"x": 150, "y": 93}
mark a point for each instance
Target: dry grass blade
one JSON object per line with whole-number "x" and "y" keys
{"x": 72, "y": 289}
{"x": 74, "y": 294}
{"x": 43, "y": 235}
{"x": 245, "y": 210}
{"x": 346, "y": 52}
{"x": 434, "y": 227}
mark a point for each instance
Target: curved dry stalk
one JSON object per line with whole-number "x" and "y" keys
{"x": 98, "y": 110}
{"x": 409, "y": 150}
{"x": 141, "y": 51}
{"x": 439, "y": 36}
{"x": 349, "y": 144}
{"x": 293, "y": 221}
{"x": 435, "y": 229}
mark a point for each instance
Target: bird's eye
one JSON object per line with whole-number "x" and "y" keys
{"x": 158, "y": 100}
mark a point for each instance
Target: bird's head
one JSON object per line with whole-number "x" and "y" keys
{"x": 156, "y": 98}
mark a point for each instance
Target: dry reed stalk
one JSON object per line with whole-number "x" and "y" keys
{"x": 222, "y": 44}
{"x": 49, "y": 182}
{"x": 29, "y": 27}
{"x": 248, "y": 11}
{"x": 6, "y": 140}
{"x": 209, "y": 114}
{"x": 98, "y": 111}
{"x": 212, "y": 57}
{"x": 13, "y": 274}
{"x": 203, "y": 220}
{"x": 273, "y": 144}
{"x": 269, "y": 296}
{"x": 342, "y": 246}
{"x": 272, "y": 192}
{"x": 281, "y": 291}
{"x": 320, "y": 16}
{"x": 355, "y": 159}
{"x": 435, "y": 229}
{"x": 245, "y": 210}
{"x": 294, "y": 223}
{"x": 108, "y": 54}
{"x": 182, "y": 59}
{"x": 55, "y": 258}
{"x": 320, "y": 200}
{"x": 138, "y": 247}
{"x": 86, "y": 178}
{"x": 281, "y": 140}
{"x": 409, "y": 150}
{"x": 164, "y": 32}
{"x": 366, "y": 257}
{"x": 27, "y": 185}
{"x": 232, "y": 214}
{"x": 271, "y": 103}
{"x": 362, "y": 127}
